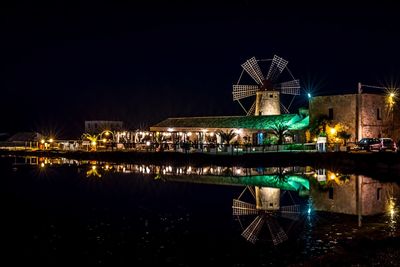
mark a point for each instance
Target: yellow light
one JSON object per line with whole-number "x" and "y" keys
{"x": 42, "y": 141}
{"x": 42, "y": 165}
{"x": 106, "y": 167}
{"x": 51, "y": 140}
{"x": 391, "y": 95}
{"x": 332, "y": 130}
{"x": 94, "y": 143}
{"x": 107, "y": 133}
{"x": 104, "y": 140}
{"x": 189, "y": 134}
{"x": 212, "y": 134}
{"x": 333, "y": 176}
{"x": 315, "y": 139}
{"x": 93, "y": 167}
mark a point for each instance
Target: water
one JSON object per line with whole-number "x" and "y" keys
{"x": 68, "y": 212}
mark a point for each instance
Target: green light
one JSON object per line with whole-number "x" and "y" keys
{"x": 309, "y": 95}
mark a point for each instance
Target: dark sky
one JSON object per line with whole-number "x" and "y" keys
{"x": 145, "y": 61}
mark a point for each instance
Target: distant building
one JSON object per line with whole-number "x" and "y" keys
{"x": 364, "y": 115}
{"x": 95, "y": 127}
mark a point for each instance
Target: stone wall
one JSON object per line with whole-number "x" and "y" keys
{"x": 344, "y": 111}
{"x": 343, "y": 107}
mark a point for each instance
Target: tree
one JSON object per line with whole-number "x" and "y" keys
{"x": 227, "y": 137}
{"x": 344, "y": 135}
{"x": 318, "y": 126}
{"x": 280, "y": 130}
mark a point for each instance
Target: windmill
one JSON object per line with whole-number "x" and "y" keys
{"x": 266, "y": 209}
{"x": 267, "y": 88}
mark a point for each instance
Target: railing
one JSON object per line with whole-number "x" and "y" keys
{"x": 180, "y": 147}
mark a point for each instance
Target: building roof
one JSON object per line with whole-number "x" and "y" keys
{"x": 229, "y": 122}
{"x": 24, "y": 136}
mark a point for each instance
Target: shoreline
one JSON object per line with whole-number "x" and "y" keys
{"x": 386, "y": 165}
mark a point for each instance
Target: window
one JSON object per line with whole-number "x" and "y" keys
{"x": 271, "y": 96}
{"x": 330, "y": 116}
{"x": 378, "y": 114}
{"x": 330, "y": 193}
{"x": 378, "y": 193}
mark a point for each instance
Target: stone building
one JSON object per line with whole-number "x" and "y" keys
{"x": 363, "y": 115}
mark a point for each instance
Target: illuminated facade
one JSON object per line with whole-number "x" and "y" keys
{"x": 247, "y": 129}
{"x": 361, "y": 115}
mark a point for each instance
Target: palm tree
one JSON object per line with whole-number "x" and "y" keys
{"x": 280, "y": 129}
{"x": 227, "y": 137}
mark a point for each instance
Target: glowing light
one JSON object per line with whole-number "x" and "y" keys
{"x": 189, "y": 134}
{"x": 42, "y": 141}
{"x": 212, "y": 134}
{"x": 308, "y": 95}
{"x": 170, "y": 129}
{"x": 309, "y": 211}
{"x": 51, "y": 140}
{"x": 104, "y": 140}
{"x": 148, "y": 143}
{"x": 107, "y": 167}
{"x": 107, "y": 133}
{"x": 332, "y": 130}
{"x": 238, "y": 171}
{"x": 94, "y": 167}
{"x": 315, "y": 139}
{"x": 42, "y": 165}
{"x": 332, "y": 176}
{"x": 392, "y": 95}
{"x": 94, "y": 143}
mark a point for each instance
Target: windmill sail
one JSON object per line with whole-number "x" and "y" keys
{"x": 289, "y": 88}
{"x": 277, "y": 233}
{"x": 291, "y": 212}
{"x": 252, "y": 231}
{"x": 243, "y": 208}
{"x": 251, "y": 67}
{"x": 252, "y": 109}
{"x": 243, "y": 91}
{"x": 277, "y": 66}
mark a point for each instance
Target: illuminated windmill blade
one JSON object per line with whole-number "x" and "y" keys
{"x": 289, "y": 88}
{"x": 250, "y": 69}
{"x": 277, "y": 233}
{"x": 243, "y": 91}
{"x": 252, "y": 109}
{"x": 256, "y": 68}
{"x": 285, "y": 109}
{"x": 277, "y": 66}
{"x": 243, "y": 208}
{"x": 252, "y": 231}
{"x": 291, "y": 212}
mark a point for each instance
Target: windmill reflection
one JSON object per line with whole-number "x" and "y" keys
{"x": 266, "y": 208}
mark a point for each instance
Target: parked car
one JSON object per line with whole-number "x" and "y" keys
{"x": 387, "y": 144}
{"x": 369, "y": 144}
{"x": 376, "y": 144}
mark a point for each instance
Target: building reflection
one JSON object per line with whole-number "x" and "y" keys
{"x": 272, "y": 199}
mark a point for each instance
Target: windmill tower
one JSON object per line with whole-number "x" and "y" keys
{"x": 266, "y": 209}
{"x": 267, "y": 88}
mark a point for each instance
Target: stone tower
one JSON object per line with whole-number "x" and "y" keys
{"x": 267, "y": 103}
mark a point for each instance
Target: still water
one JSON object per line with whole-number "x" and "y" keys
{"x": 59, "y": 211}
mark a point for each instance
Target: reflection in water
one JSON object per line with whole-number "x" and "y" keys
{"x": 276, "y": 197}
{"x": 266, "y": 209}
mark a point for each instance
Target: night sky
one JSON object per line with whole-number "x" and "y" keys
{"x": 61, "y": 64}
